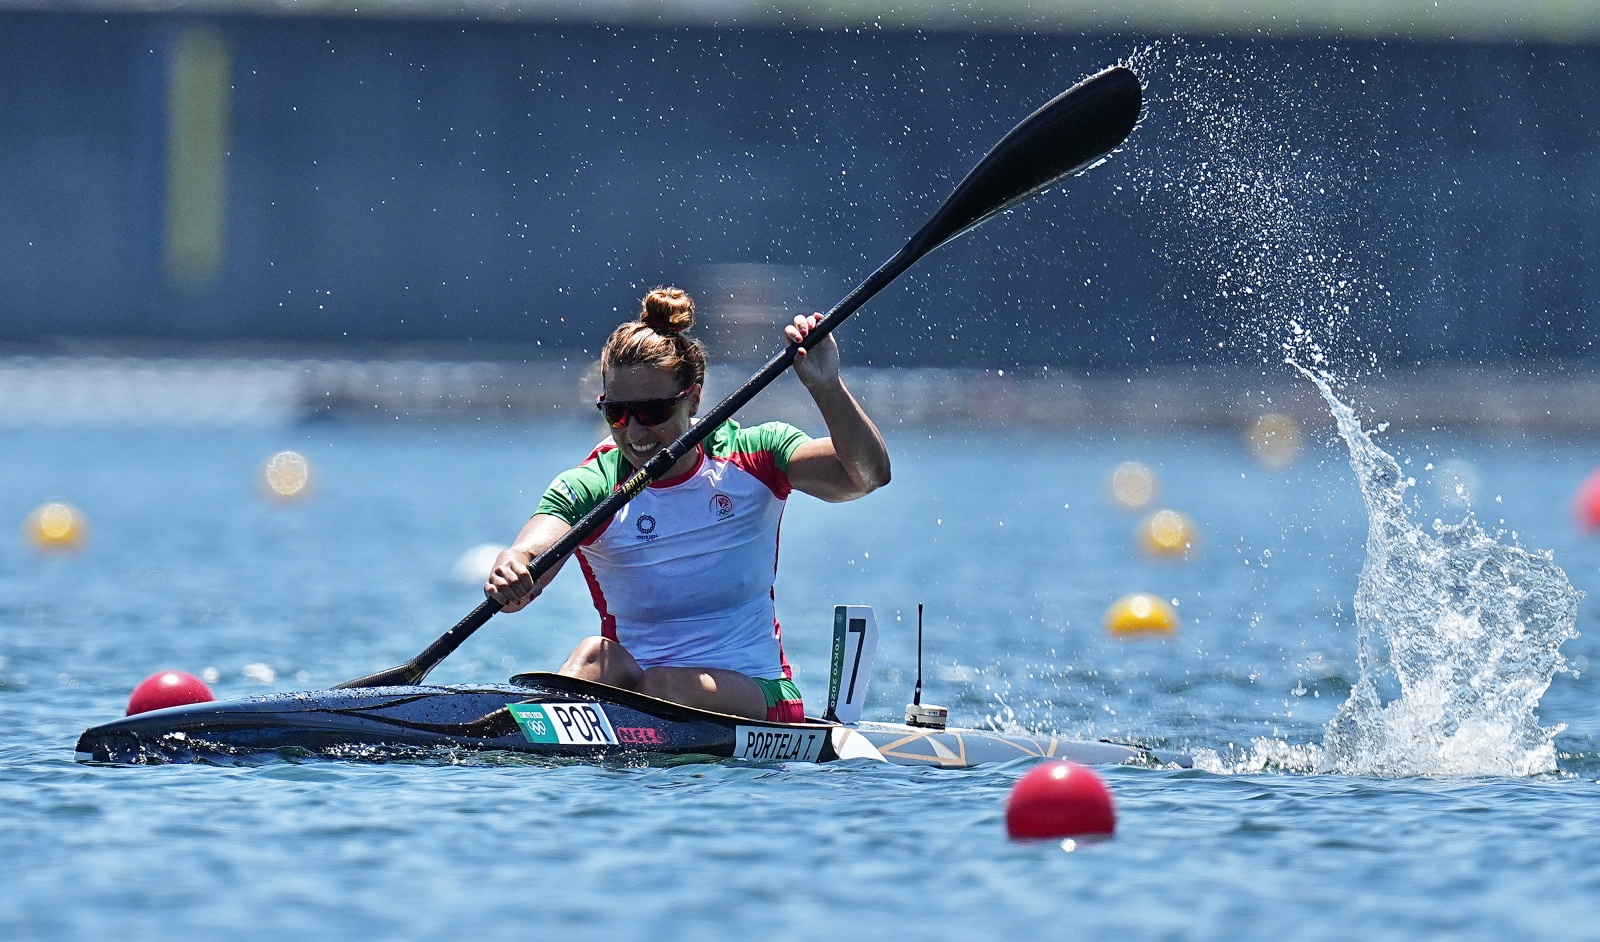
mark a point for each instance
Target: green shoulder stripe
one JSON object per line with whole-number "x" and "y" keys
{"x": 779, "y": 439}
{"x": 576, "y": 492}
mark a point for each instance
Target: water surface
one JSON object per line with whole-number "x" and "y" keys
{"x": 1008, "y": 538}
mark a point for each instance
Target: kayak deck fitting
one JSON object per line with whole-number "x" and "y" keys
{"x": 548, "y": 716}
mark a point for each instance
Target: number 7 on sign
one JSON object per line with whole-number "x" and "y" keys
{"x": 855, "y": 640}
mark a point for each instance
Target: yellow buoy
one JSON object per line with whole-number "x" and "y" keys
{"x": 56, "y": 527}
{"x": 287, "y": 475}
{"x": 1140, "y": 614}
{"x": 1132, "y": 485}
{"x": 1274, "y": 439}
{"x": 1167, "y": 534}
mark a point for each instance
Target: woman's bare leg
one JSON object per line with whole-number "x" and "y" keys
{"x": 705, "y": 688}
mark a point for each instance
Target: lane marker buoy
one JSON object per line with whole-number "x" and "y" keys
{"x": 1140, "y": 614}
{"x": 1274, "y": 439}
{"x": 1133, "y": 485}
{"x": 287, "y": 476}
{"x": 259, "y": 671}
{"x": 168, "y": 689}
{"x": 56, "y": 527}
{"x": 1167, "y": 534}
{"x": 1060, "y": 800}
{"x": 1586, "y": 503}
{"x": 475, "y": 565}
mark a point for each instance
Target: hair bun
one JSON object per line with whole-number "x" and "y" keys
{"x": 668, "y": 310}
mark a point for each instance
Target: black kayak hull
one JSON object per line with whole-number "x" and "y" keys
{"x": 545, "y": 716}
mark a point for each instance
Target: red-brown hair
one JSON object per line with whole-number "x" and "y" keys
{"x": 657, "y": 339}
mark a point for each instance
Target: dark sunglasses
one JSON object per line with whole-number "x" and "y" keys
{"x": 645, "y": 411}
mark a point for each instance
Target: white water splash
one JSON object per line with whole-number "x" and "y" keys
{"x": 1458, "y": 634}
{"x": 1264, "y": 755}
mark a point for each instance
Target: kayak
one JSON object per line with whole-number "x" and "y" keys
{"x": 548, "y": 717}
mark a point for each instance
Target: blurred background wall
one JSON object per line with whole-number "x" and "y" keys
{"x": 492, "y": 182}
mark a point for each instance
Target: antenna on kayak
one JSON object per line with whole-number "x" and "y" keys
{"x": 916, "y": 695}
{"x": 917, "y": 712}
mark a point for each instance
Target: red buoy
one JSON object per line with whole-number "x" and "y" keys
{"x": 1060, "y": 799}
{"x": 168, "y": 689}
{"x": 1586, "y": 503}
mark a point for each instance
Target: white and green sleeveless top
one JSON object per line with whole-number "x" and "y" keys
{"x": 682, "y": 575}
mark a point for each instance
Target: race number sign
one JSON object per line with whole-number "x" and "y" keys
{"x": 855, "y": 641}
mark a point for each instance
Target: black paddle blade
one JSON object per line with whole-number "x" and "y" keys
{"x": 1068, "y": 135}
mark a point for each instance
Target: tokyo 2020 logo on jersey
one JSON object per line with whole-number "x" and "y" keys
{"x": 647, "y": 527}
{"x": 722, "y": 505}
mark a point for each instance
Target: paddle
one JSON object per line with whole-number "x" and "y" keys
{"x": 1070, "y": 134}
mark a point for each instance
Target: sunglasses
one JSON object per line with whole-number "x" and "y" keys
{"x": 645, "y": 411}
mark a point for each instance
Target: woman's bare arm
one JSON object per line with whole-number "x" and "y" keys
{"x": 510, "y": 583}
{"x": 852, "y": 461}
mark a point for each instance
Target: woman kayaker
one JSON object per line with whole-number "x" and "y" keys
{"x": 682, "y": 575}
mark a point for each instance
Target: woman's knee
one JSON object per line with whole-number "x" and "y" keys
{"x": 602, "y": 660}
{"x": 590, "y": 650}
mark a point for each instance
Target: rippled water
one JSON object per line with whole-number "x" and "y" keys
{"x": 1011, "y": 541}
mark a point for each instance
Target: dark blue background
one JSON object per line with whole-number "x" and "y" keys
{"x": 486, "y": 186}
